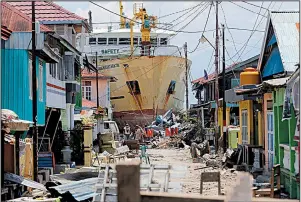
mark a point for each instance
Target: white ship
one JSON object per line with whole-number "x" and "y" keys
{"x": 150, "y": 71}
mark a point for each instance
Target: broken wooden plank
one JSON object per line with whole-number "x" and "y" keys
{"x": 128, "y": 181}
{"x": 167, "y": 197}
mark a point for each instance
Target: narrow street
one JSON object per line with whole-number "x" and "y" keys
{"x": 191, "y": 182}
{"x": 150, "y": 101}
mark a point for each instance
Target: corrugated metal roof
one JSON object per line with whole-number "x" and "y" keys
{"x": 16, "y": 21}
{"x": 286, "y": 29}
{"x": 47, "y": 11}
{"x": 287, "y": 35}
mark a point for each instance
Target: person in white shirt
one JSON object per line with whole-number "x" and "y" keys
{"x": 126, "y": 131}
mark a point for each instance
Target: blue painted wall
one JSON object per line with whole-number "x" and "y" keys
{"x": 15, "y": 84}
{"x": 273, "y": 65}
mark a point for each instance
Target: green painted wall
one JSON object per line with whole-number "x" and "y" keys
{"x": 284, "y": 132}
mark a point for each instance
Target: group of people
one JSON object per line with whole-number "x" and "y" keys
{"x": 138, "y": 134}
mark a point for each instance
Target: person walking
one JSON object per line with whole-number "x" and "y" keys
{"x": 126, "y": 132}
{"x": 139, "y": 134}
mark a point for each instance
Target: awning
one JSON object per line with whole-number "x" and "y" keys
{"x": 10, "y": 121}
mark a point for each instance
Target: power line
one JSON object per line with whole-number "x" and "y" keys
{"x": 254, "y": 27}
{"x": 247, "y": 9}
{"x": 204, "y": 29}
{"x": 184, "y": 15}
{"x": 227, "y": 28}
{"x": 178, "y": 12}
{"x": 254, "y": 5}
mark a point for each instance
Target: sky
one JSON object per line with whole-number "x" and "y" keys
{"x": 240, "y": 44}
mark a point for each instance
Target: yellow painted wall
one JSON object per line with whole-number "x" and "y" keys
{"x": 88, "y": 147}
{"x": 260, "y": 126}
{"x": 220, "y": 118}
{"x": 246, "y": 105}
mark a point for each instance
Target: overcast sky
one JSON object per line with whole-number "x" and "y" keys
{"x": 235, "y": 15}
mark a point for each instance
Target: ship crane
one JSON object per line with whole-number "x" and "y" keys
{"x": 147, "y": 23}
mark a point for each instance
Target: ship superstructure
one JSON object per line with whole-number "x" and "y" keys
{"x": 150, "y": 71}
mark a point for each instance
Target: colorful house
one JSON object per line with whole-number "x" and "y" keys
{"x": 205, "y": 93}
{"x": 278, "y": 61}
{"x": 16, "y": 65}
{"x": 279, "y": 57}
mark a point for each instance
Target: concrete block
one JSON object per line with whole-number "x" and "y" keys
{"x": 61, "y": 168}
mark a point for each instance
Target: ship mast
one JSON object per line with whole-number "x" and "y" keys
{"x": 147, "y": 22}
{"x": 122, "y": 19}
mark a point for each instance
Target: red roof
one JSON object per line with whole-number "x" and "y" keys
{"x": 17, "y": 21}
{"x": 88, "y": 103}
{"x": 5, "y": 33}
{"x": 211, "y": 76}
{"x": 202, "y": 80}
{"x": 46, "y": 11}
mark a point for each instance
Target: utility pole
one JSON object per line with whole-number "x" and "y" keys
{"x": 216, "y": 78}
{"x": 34, "y": 97}
{"x": 186, "y": 75}
{"x": 224, "y": 88}
{"x": 97, "y": 102}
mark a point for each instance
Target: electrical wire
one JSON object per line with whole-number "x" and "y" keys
{"x": 254, "y": 5}
{"x": 203, "y": 31}
{"x": 246, "y": 43}
{"x": 227, "y": 26}
{"x": 182, "y": 16}
{"x": 248, "y": 9}
{"x": 176, "y": 12}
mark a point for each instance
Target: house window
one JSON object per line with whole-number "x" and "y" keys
{"x": 30, "y": 77}
{"x": 112, "y": 41}
{"x": 163, "y": 41}
{"x": 40, "y": 87}
{"x": 53, "y": 70}
{"x": 92, "y": 40}
{"x": 86, "y": 90}
{"x": 133, "y": 87}
{"x": 124, "y": 41}
{"x": 244, "y": 127}
{"x": 102, "y": 41}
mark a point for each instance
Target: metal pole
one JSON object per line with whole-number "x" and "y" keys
{"x": 224, "y": 88}
{"x": 186, "y": 83}
{"x": 216, "y": 78}
{"x": 97, "y": 102}
{"x": 34, "y": 97}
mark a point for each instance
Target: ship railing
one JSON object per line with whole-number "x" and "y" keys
{"x": 124, "y": 51}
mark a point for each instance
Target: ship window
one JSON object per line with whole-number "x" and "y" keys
{"x": 124, "y": 41}
{"x": 133, "y": 87}
{"x": 171, "y": 87}
{"x": 102, "y": 41}
{"x": 92, "y": 40}
{"x": 135, "y": 40}
{"x": 163, "y": 41}
{"x": 112, "y": 41}
{"x": 154, "y": 41}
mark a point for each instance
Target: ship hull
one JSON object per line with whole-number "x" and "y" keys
{"x": 144, "y": 87}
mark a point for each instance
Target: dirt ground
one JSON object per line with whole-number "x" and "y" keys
{"x": 191, "y": 183}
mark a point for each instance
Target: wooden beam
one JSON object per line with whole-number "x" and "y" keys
{"x": 128, "y": 181}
